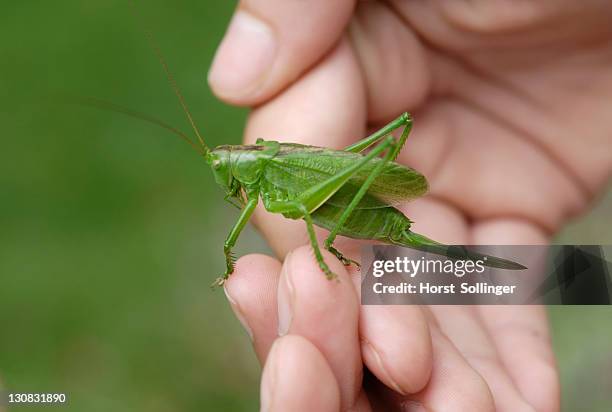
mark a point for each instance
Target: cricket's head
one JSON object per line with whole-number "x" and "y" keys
{"x": 219, "y": 161}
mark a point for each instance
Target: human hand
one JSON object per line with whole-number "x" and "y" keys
{"x": 327, "y": 338}
{"x": 511, "y": 123}
{"x": 418, "y": 358}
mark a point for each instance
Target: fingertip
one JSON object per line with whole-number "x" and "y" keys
{"x": 302, "y": 271}
{"x": 297, "y": 377}
{"x": 253, "y": 272}
{"x": 269, "y": 44}
{"x": 244, "y": 58}
{"x": 254, "y": 281}
{"x": 396, "y": 346}
{"x": 325, "y": 312}
{"x": 251, "y": 291}
{"x": 301, "y": 276}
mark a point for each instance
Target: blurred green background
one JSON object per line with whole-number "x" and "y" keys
{"x": 111, "y": 229}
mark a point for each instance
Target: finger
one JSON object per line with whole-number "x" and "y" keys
{"x": 251, "y": 291}
{"x": 521, "y": 336}
{"x": 454, "y": 385}
{"x": 520, "y": 333}
{"x": 490, "y": 182}
{"x": 395, "y": 66}
{"x": 388, "y": 331}
{"x": 459, "y": 27}
{"x": 297, "y": 377}
{"x": 325, "y": 108}
{"x": 324, "y": 312}
{"x": 395, "y": 344}
{"x": 429, "y": 143}
{"x": 462, "y": 327}
{"x": 268, "y": 44}
{"x": 437, "y": 219}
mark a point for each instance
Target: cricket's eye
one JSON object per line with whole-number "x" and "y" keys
{"x": 216, "y": 164}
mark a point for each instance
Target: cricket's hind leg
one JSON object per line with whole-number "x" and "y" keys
{"x": 315, "y": 246}
{"x": 404, "y": 120}
{"x": 317, "y": 195}
{"x": 298, "y": 209}
{"x": 388, "y": 143}
{"x": 345, "y": 261}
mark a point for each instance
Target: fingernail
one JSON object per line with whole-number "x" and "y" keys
{"x": 238, "y": 313}
{"x": 368, "y": 347}
{"x": 270, "y": 375}
{"x": 285, "y": 299}
{"x": 244, "y": 57}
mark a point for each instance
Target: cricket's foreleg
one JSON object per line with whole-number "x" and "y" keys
{"x": 233, "y": 236}
{"x": 403, "y": 120}
{"x": 387, "y": 144}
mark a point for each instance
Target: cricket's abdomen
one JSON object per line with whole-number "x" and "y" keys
{"x": 385, "y": 224}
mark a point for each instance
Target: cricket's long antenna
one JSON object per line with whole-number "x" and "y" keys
{"x": 173, "y": 84}
{"x": 102, "y": 104}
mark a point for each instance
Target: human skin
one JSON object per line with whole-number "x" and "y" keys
{"x": 511, "y": 103}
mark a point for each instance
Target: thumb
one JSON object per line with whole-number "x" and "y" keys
{"x": 269, "y": 43}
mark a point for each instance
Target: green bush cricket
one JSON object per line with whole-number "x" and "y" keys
{"x": 350, "y": 192}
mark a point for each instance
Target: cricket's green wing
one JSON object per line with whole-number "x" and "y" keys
{"x": 396, "y": 184}
{"x": 297, "y": 167}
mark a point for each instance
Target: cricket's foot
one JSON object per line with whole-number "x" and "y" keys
{"x": 345, "y": 261}
{"x": 325, "y": 269}
{"x": 220, "y": 281}
{"x": 328, "y": 273}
